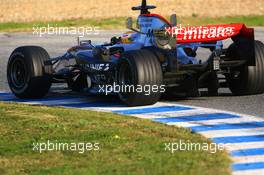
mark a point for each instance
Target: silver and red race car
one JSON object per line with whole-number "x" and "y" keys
{"x": 157, "y": 57}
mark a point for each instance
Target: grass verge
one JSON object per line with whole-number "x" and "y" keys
{"x": 127, "y": 145}
{"x": 118, "y": 23}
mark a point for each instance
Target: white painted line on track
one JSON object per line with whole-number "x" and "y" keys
{"x": 246, "y": 145}
{"x": 249, "y": 172}
{"x": 233, "y": 132}
{"x": 247, "y": 159}
{"x": 215, "y": 122}
{"x": 175, "y": 114}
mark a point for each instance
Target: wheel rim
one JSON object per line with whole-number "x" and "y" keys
{"x": 18, "y": 73}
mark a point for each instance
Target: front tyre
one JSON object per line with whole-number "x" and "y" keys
{"x": 27, "y": 77}
{"x": 139, "y": 76}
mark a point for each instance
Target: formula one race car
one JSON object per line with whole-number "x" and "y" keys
{"x": 156, "y": 57}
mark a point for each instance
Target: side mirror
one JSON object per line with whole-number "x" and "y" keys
{"x": 129, "y": 23}
{"x": 173, "y": 20}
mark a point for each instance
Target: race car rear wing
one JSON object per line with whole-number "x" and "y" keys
{"x": 242, "y": 36}
{"x": 191, "y": 34}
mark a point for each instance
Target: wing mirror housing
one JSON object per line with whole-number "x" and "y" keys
{"x": 173, "y": 20}
{"x": 129, "y": 23}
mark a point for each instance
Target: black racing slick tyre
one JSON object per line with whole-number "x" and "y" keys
{"x": 250, "y": 80}
{"x": 140, "y": 77}
{"x": 27, "y": 76}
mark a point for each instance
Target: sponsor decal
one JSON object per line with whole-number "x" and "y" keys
{"x": 99, "y": 67}
{"x": 205, "y": 33}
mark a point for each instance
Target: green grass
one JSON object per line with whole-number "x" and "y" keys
{"x": 119, "y": 23}
{"x": 127, "y": 145}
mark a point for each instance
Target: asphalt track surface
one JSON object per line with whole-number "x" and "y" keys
{"x": 57, "y": 45}
{"x": 244, "y": 134}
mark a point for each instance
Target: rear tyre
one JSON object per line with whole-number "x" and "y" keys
{"x": 213, "y": 85}
{"x": 250, "y": 80}
{"x": 139, "y": 74}
{"x": 27, "y": 77}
